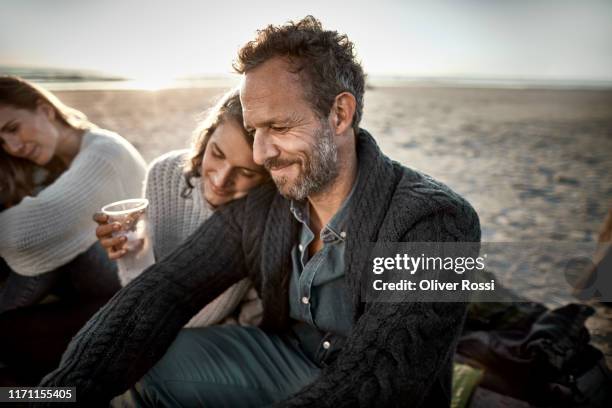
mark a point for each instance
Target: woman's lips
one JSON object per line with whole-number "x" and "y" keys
{"x": 28, "y": 152}
{"x": 217, "y": 190}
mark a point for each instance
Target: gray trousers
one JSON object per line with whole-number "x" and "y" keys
{"x": 89, "y": 275}
{"x": 223, "y": 366}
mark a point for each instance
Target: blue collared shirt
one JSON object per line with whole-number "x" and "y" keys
{"x": 318, "y": 293}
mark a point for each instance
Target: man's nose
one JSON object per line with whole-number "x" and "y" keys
{"x": 263, "y": 149}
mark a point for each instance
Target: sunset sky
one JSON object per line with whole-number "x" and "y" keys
{"x": 548, "y": 39}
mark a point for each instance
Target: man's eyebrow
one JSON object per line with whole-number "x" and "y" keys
{"x": 293, "y": 117}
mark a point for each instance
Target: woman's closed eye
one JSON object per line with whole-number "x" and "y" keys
{"x": 11, "y": 127}
{"x": 217, "y": 153}
{"x": 247, "y": 173}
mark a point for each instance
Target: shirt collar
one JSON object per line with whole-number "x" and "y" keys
{"x": 336, "y": 227}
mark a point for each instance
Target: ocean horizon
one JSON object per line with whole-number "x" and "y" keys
{"x": 59, "y": 79}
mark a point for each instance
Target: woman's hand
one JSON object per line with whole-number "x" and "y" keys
{"x": 115, "y": 246}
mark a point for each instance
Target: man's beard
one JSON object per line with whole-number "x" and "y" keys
{"x": 320, "y": 169}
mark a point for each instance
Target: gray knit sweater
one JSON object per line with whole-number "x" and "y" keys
{"x": 398, "y": 354}
{"x": 44, "y": 232}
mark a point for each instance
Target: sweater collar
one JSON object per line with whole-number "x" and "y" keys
{"x": 373, "y": 196}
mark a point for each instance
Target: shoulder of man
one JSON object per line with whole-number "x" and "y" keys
{"x": 252, "y": 212}
{"x": 262, "y": 203}
{"x": 252, "y": 215}
{"x": 419, "y": 197}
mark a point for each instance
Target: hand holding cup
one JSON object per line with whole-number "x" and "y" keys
{"x": 121, "y": 227}
{"x": 114, "y": 245}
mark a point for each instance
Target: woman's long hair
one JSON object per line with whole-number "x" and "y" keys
{"x": 21, "y": 94}
{"x": 16, "y": 174}
{"x": 17, "y": 178}
{"x": 228, "y": 108}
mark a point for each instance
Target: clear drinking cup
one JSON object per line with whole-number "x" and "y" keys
{"x": 132, "y": 216}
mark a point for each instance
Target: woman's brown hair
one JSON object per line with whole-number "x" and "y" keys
{"x": 17, "y": 178}
{"x": 21, "y": 94}
{"x": 18, "y": 174}
{"x": 228, "y": 108}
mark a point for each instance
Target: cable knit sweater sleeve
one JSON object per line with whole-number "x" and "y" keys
{"x": 44, "y": 232}
{"x": 133, "y": 330}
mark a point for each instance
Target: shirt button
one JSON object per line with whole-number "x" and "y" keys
{"x": 326, "y": 345}
{"x": 301, "y": 248}
{"x": 305, "y": 300}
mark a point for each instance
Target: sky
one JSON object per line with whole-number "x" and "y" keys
{"x": 546, "y": 39}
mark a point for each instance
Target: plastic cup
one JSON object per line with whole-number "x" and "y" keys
{"x": 132, "y": 216}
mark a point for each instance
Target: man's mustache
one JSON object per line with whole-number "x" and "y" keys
{"x": 276, "y": 163}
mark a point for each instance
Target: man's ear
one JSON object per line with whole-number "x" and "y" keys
{"x": 46, "y": 109}
{"x": 342, "y": 112}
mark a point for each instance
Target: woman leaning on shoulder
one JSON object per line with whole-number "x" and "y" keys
{"x": 184, "y": 188}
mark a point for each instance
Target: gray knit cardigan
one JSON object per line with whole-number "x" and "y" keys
{"x": 398, "y": 354}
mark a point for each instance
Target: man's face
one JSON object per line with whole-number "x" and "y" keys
{"x": 291, "y": 141}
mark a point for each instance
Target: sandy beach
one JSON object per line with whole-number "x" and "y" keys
{"x": 535, "y": 164}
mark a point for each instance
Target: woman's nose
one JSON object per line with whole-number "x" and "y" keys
{"x": 223, "y": 177}
{"x": 12, "y": 144}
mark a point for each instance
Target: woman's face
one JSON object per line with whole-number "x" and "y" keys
{"x": 27, "y": 134}
{"x": 228, "y": 170}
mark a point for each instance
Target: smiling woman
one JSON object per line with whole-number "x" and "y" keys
{"x": 228, "y": 170}
{"x": 222, "y": 154}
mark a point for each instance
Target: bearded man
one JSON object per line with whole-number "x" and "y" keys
{"x": 304, "y": 242}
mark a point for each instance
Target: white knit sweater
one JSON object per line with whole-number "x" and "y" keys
{"x": 171, "y": 219}
{"x": 44, "y": 232}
